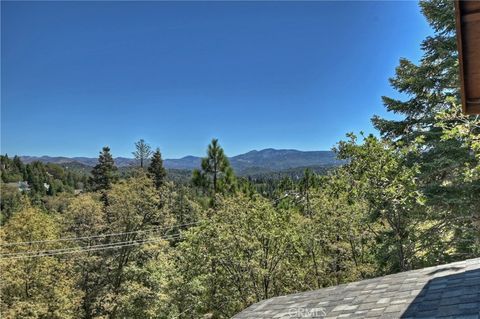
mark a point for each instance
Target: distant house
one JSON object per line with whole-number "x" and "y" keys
{"x": 21, "y": 186}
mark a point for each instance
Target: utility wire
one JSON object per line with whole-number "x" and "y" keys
{"x": 34, "y": 254}
{"x": 70, "y": 248}
{"x": 96, "y": 236}
{"x": 79, "y": 251}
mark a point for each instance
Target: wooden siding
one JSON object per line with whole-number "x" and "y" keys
{"x": 468, "y": 41}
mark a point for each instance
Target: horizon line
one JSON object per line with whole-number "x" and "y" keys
{"x": 172, "y": 158}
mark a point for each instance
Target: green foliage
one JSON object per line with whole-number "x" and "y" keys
{"x": 388, "y": 186}
{"x": 216, "y": 174}
{"x": 37, "y": 181}
{"x": 11, "y": 201}
{"x": 464, "y": 130}
{"x": 37, "y": 174}
{"x": 105, "y": 172}
{"x": 12, "y": 170}
{"x": 156, "y": 170}
{"x": 36, "y": 288}
{"x": 242, "y": 254}
{"x": 142, "y": 152}
{"x": 127, "y": 282}
{"x": 444, "y": 140}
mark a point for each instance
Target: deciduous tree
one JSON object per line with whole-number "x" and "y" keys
{"x": 36, "y": 287}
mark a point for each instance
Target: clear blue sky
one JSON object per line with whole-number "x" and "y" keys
{"x": 80, "y": 75}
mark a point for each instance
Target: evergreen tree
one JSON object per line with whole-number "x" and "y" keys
{"x": 306, "y": 184}
{"x": 216, "y": 174}
{"x": 105, "y": 172}
{"x": 432, "y": 90}
{"x": 20, "y": 167}
{"x": 156, "y": 170}
{"x": 428, "y": 84}
{"x": 10, "y": 170}
{"x": 143, "y": 152}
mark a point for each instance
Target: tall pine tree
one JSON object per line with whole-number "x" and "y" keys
{"x": 105, "y": 172}
{"x": 216, "y": 174}
{"x": 431, "y": 88}
{"x": 156, "y": 170}
{"x": 143, "y": 152}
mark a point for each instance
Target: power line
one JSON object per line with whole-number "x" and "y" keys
{"x": 35, "y": 254}
{"x": 80, "y": 250}
{"x": 96, "y": 236}
{"x": 70, "y": 248}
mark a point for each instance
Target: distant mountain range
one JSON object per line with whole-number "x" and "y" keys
{"x": 270, "y": 160}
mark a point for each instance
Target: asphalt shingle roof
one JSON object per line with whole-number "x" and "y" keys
{"x": 446, "y": 291}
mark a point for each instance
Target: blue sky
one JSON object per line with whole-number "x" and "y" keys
{"x": 80, "y": 75}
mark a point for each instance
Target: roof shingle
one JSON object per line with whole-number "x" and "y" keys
{"x": 445, "y": 291}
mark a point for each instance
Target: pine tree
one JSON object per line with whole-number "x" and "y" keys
{"x": 428, "y": 84}
{"x": 105, "y": 172}
{"x": 216, "y": 171}
{"x": 143, "y": 152}
{"x": 432, "y": 89}
{"x": 156, "y": 170}
{"x": 18, "y": 164}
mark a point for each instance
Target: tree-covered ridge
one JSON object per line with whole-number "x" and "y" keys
{"x": 266, "y": 160}
{"x": 13, "y": 170}
{"x": 139, "y": 245}
{"x": 40, "y": 182}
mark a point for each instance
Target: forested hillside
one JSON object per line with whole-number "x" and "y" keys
{"x": 263, "y": 161}
{"x": 141, "y": 245}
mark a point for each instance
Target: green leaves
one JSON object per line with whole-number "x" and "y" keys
{"x": 36, "y": 288}
{"x": 244, "y": 253}
{"x": 388, "y": 186}
{"x": 437, "y": 140}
